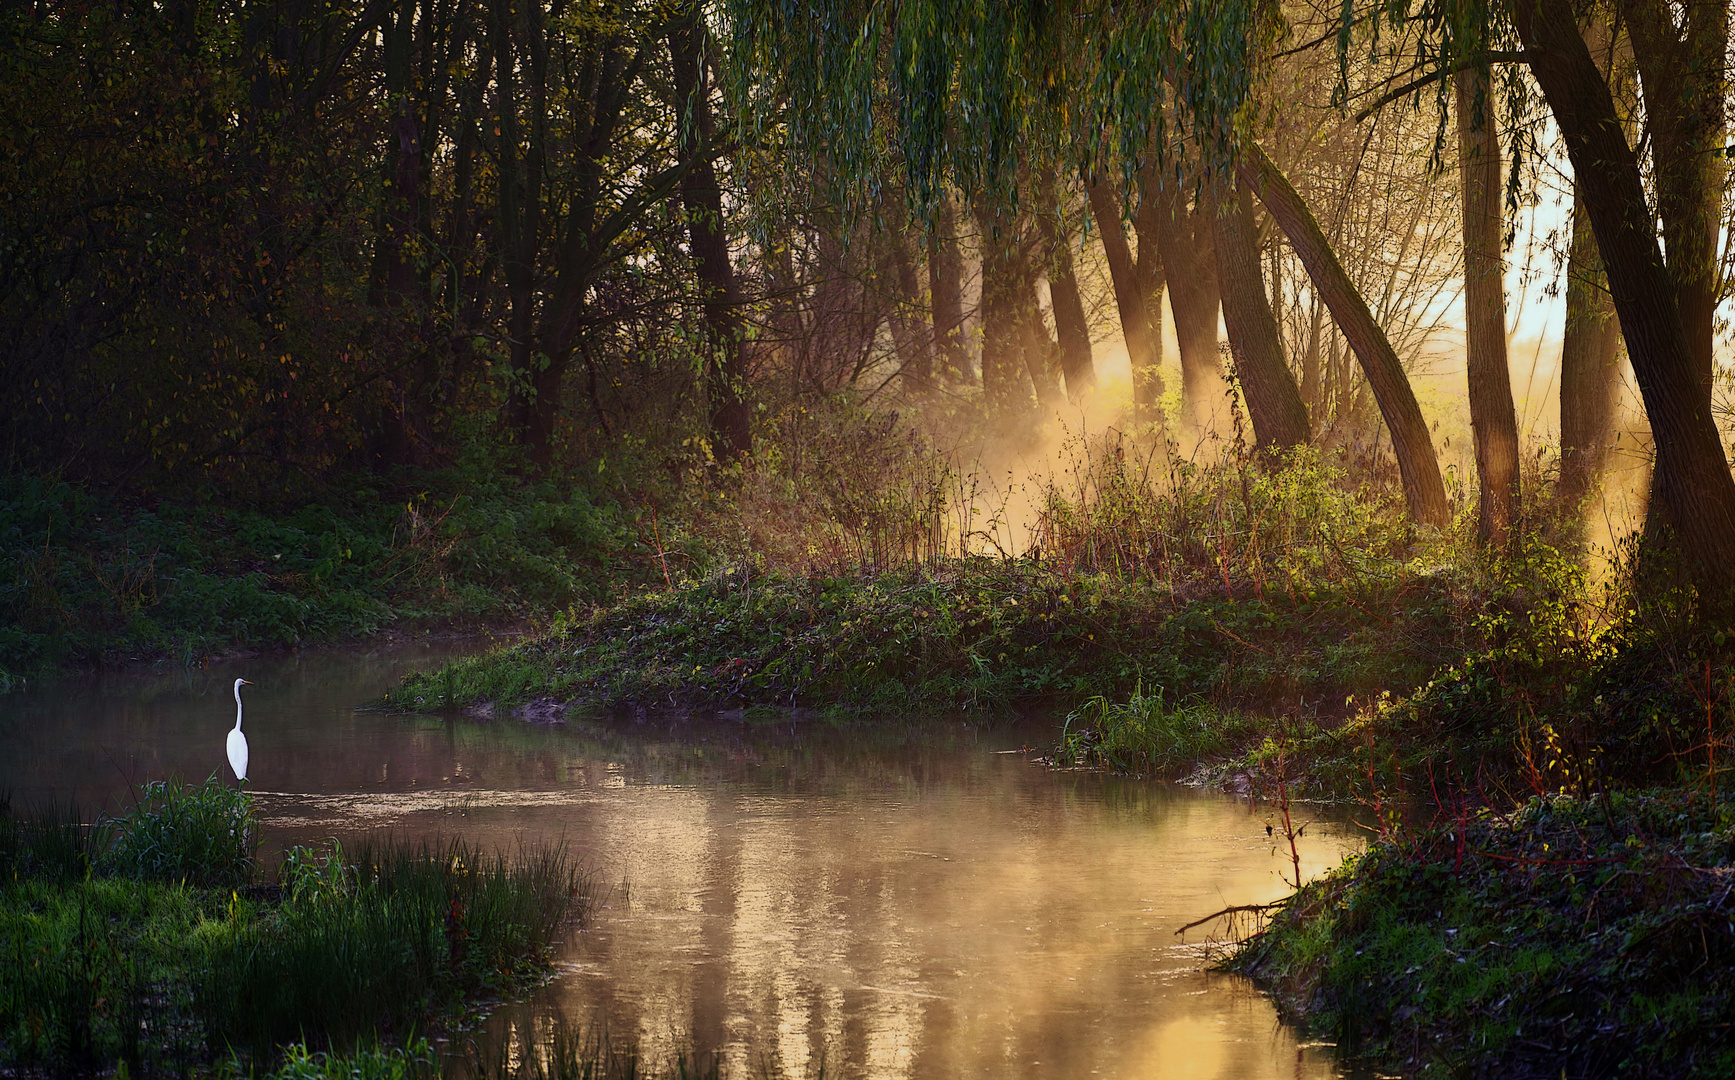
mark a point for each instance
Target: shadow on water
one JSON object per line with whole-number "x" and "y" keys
{"x": 886, "y": 899}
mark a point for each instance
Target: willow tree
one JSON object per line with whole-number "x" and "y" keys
{"x": 974, "y": 90}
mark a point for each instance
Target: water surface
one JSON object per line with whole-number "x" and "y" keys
{"x": 889, "y": 900}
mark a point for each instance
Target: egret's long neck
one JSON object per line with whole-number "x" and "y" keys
{"x": 237, "y": 708}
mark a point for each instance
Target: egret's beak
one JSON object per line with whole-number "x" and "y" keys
{"x": 245, "y": 682}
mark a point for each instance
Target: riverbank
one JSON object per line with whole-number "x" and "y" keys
{"x": 1549, "y": 892}
{"x": 1572, "y": 937}
{"x": 966, "y": 634}
{"x": 152, "y": 943}
{"x": 88, "y": 579}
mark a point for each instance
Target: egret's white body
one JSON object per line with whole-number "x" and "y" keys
{"x": 238, "y": 741}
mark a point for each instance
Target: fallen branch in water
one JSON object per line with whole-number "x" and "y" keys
{"x": 1258, "y": 909}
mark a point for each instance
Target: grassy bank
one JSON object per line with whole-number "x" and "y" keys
{"x": 1550, "y": 891}
{"x": 1573, "y": 937}
{"x": 975, "y": 633}
{"x": 145, "y": 941}
{"x": 88, "y": 578}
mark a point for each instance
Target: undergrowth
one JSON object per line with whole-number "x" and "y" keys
{"x": 968, "y": 634}
{"x": 1575, "y": 937}
{"x": 85, "y": 577}
{"x": 1231, "y": 582}
{"x": 124, "y": 962}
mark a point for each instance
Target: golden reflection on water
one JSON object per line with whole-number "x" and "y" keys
{"x": 876, "y": 900}
{"x": 1023, "y": 930}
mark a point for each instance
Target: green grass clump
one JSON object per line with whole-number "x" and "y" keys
{"x": 1591, "y": 936}
{"x": 202, "y": 835}
{"x": 1144, "y": 734}
{"x": 416, "y": 1061}
{"x": 136, "y": 963}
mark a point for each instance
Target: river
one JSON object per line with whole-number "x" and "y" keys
{"x": 908, "y": 900}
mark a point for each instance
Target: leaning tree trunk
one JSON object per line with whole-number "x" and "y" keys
{"x": 1492, "y": 421}
{"x": 1411, "y": 441}
{"x": 1680, "y": 52}
{"x": 1693, "y": 489}
{"x": 1590, "y": 346}
{"x": 1273, "y": 403}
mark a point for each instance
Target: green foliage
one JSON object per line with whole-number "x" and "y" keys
{"x": 416, "y": 1061}
{"x": 164, "y": 975}
{"x": 976, "y": 633}
{"x": 1590, "y": 936}
{"x": 972, "y": 91}
{"x": 202, "y": 835}
{"x": 315, "y": 878}
{"x": 1145, "y": 735}
{"x": 86, "y": 578}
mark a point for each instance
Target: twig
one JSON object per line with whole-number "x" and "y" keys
{"x": 1258, "y": 909}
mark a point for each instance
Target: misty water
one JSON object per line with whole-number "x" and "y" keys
{"x": 887, "y": 900}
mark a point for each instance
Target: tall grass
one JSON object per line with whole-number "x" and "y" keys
{"x": 1243, "y": 523}
{"x": 136, "y": 958}
{"x": 419, "y": 930}
{"x": 53, "y": 843}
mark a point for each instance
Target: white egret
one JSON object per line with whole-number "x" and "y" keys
{"x": 238, "y": 741}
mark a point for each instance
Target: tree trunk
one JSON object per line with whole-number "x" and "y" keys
{"x": 1411, "y": 442}
{"x": 1681, "y": 62}
{"x": 519, "y": 194}
{"x": 1039, "y": 348}
{"x": 1004, "y": 377}
{"x": 1185, "y": 240}
{"x": 708, "y": 238}
{"x": 909, "y": 337}
{"x": 946, "y": 292}
{"x": 1589, "y": 367}
{"x": 1693, "y": 489}
{"x": 1312, "y": 375}
{"x": 1273, "y": 403}
{"x": 1130, "y": 299}
{"x": 1070, "y": 327}
{"x": 1492, "y": 420}
{"x": 1149, "y": 273}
